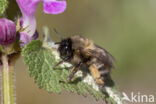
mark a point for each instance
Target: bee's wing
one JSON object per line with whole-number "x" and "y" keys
{"x": 102, "y": 55}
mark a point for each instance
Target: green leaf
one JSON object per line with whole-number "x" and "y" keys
{"x": 3, "y": 6}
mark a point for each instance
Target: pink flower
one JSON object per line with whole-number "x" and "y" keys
{"x": 28, "y": 9}
{"x": 7, "y": 31}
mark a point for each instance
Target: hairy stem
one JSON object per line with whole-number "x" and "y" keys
{"x": 7, "y": 81}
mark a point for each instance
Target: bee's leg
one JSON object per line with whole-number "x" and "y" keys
{"x": 60, "y": 62}
{"x": 74, "y": 70}
{"x": 96, "y": 75}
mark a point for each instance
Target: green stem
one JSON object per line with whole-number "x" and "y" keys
{"x": 7, "y": 81}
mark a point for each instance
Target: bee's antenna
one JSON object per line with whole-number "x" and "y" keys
{"x": 60, "y": 36}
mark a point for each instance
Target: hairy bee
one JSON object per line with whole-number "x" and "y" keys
{"x": 80, "y": 51}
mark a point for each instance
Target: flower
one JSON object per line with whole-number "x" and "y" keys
{"x": 28, "y": 21}
{"x": 7, "y": 31}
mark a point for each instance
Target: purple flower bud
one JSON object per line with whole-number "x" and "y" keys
{"x": 7, "y": 31}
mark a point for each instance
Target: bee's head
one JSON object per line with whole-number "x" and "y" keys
{"x": 65, "y": 48}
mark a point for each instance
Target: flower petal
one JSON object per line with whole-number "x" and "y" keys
{"x": 28, "y": 7}
{"x": 24, "y": 39}
{"x": 7, "y": 31}
{"x": 28, "y": 21}
{"x": 54, "y": 6}
{"x": 29, "y": 25}
{"x": 35, "y": 36}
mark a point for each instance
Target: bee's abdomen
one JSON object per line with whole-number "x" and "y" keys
{"x": 104, "y": 71}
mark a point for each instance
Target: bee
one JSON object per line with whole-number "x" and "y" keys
{"x": 81, "y": 51}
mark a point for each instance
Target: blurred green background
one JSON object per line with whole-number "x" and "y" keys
{"x": 126, "y": 28}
